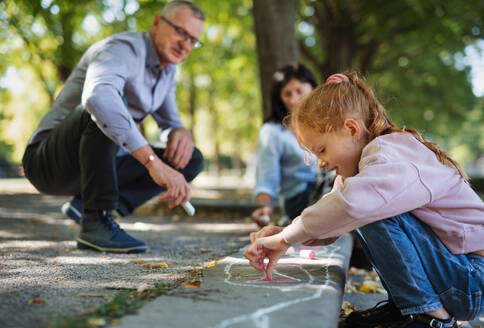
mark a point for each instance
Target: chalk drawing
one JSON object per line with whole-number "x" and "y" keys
{"x": 260, "y": 318}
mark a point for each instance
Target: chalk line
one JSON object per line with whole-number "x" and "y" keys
{"x": 260, "y": 317}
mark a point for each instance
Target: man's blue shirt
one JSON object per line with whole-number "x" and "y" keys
{"x": 121, "y": 69}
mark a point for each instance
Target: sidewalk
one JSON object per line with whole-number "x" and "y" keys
{"x": 303, "y": 293}
{"x": 43, "y": 277}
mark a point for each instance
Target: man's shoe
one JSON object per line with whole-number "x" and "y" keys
{"x": 73, "y": 210}
{"x": 384, "y": 313}
{"x": 426, "y": 321}
{"x": 100, "y": 232}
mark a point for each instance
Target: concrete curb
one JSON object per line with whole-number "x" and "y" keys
{"x": 305, "y": 293}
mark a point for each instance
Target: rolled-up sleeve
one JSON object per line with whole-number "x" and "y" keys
{"x": 102, "y": 94}
{"x": 268, "y": 169}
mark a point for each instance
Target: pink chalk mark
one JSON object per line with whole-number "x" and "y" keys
{"x": 268, "y": 281}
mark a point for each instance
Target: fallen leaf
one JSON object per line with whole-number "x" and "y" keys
{"x": 161, "y": 265}
{"x": 59, "y": 278}
{"x": 206, "y": 250}
{"x": 115, "y": 322}
{"x": 214, "y": 263}
{"x": 346, "y": 308}
{"x": 38, "y": 221}
{"x": 142, "y": 289}
{"x": 96, "y": 322}
{"x": 192, "y": 284}
{"x": 137, "y": 261}
{"x": 66, "y": 251}
{"x": 36, "y": 300}
{"x": 1, "y": 262}
{"x": 369, "y": 286}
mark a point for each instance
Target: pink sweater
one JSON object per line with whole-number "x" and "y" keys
{"x": 397, "y": 174}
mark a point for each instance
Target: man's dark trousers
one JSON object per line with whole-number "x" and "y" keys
{"x": 76, "y": 158}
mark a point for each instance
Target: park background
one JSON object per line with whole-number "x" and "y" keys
{"x": 425, "y": 60}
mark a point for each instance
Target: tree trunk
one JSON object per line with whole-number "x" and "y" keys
{"x": 274, "y": 24}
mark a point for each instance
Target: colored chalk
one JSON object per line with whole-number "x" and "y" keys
{"x": 265, "y": 218}
{"x": 188, "y": 207}
{"x": 270, "y": 281}
{"x": 307, "y": 254}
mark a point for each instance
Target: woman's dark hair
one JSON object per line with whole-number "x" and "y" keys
{"x": 279, "y": 80}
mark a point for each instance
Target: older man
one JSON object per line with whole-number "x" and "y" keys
{"x": 89, "y": 145}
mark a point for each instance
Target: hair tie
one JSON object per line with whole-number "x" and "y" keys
{"x": 337, "y": 78}
{"x": 278, "y": 76}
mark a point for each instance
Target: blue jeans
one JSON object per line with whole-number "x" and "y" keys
{"x": 419, "y": 273}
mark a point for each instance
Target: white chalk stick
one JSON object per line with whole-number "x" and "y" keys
{"x": 307, "y": 254}
{"x": 265, "y": 218}
{"x": 188, "y": 207}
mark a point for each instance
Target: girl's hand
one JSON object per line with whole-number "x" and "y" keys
{"x": 274, "y": 248}
{"x": 265, "y": 232}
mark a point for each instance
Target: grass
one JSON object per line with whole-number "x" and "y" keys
{"x": 124, "y": 303}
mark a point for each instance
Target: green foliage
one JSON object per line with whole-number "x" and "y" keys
{"x": 409, "y": 51}
{"x": 50, "y": 37}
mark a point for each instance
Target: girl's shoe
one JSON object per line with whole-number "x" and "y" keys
{"x": 384, "y": 313}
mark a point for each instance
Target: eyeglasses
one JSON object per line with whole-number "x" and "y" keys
{"x": 183, "y": 34}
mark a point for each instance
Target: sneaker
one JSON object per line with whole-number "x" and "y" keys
{"x": 100, "y": 232}
{"x": 384, "y": 313}
{"x": 73, "y": 210}
{"x": 426, "y": 321}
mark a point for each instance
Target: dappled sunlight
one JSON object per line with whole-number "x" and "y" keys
{"x": 5, "y": 234}
{"x": 35, "y": 244}
{"x": 222, "y": 227}
{"x": 142, "y": 226}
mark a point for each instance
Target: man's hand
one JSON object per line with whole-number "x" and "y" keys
{"x": 177, "y": 189}
{"x": 179, "y": 148}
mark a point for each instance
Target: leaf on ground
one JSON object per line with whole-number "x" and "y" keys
{"x": 206, "y": 250}
{"x": 214, "y": 263}
{"x": 346, "y": 308}
{"x": 141, "y": 290}
{"x": 36, "y": 300}
{"x": 96, "y": 322}
{"x": 59, "y": 278}
{"x": 161, "y": 265}
{"x": 1, "y": 262}
{"x": 369, "y": 286}
{"x": 105, "y": 296}
{"x": 192, "y": 284}
{"x": 137, "y": 261}
{"x": 115, "y": 322}
{"x": 38, "y": 221}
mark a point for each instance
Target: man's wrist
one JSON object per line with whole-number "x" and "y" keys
{"x": 151, "y": 158}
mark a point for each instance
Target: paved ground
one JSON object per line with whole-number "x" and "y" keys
{"x": 303, "y": 293}
{"x": 43, "y": 276}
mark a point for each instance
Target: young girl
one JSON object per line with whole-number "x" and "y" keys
{"x": 281, "y": 171}
{"x": 418, "y": 220}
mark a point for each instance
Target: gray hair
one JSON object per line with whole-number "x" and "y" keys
{"x": 173, "y": 6}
